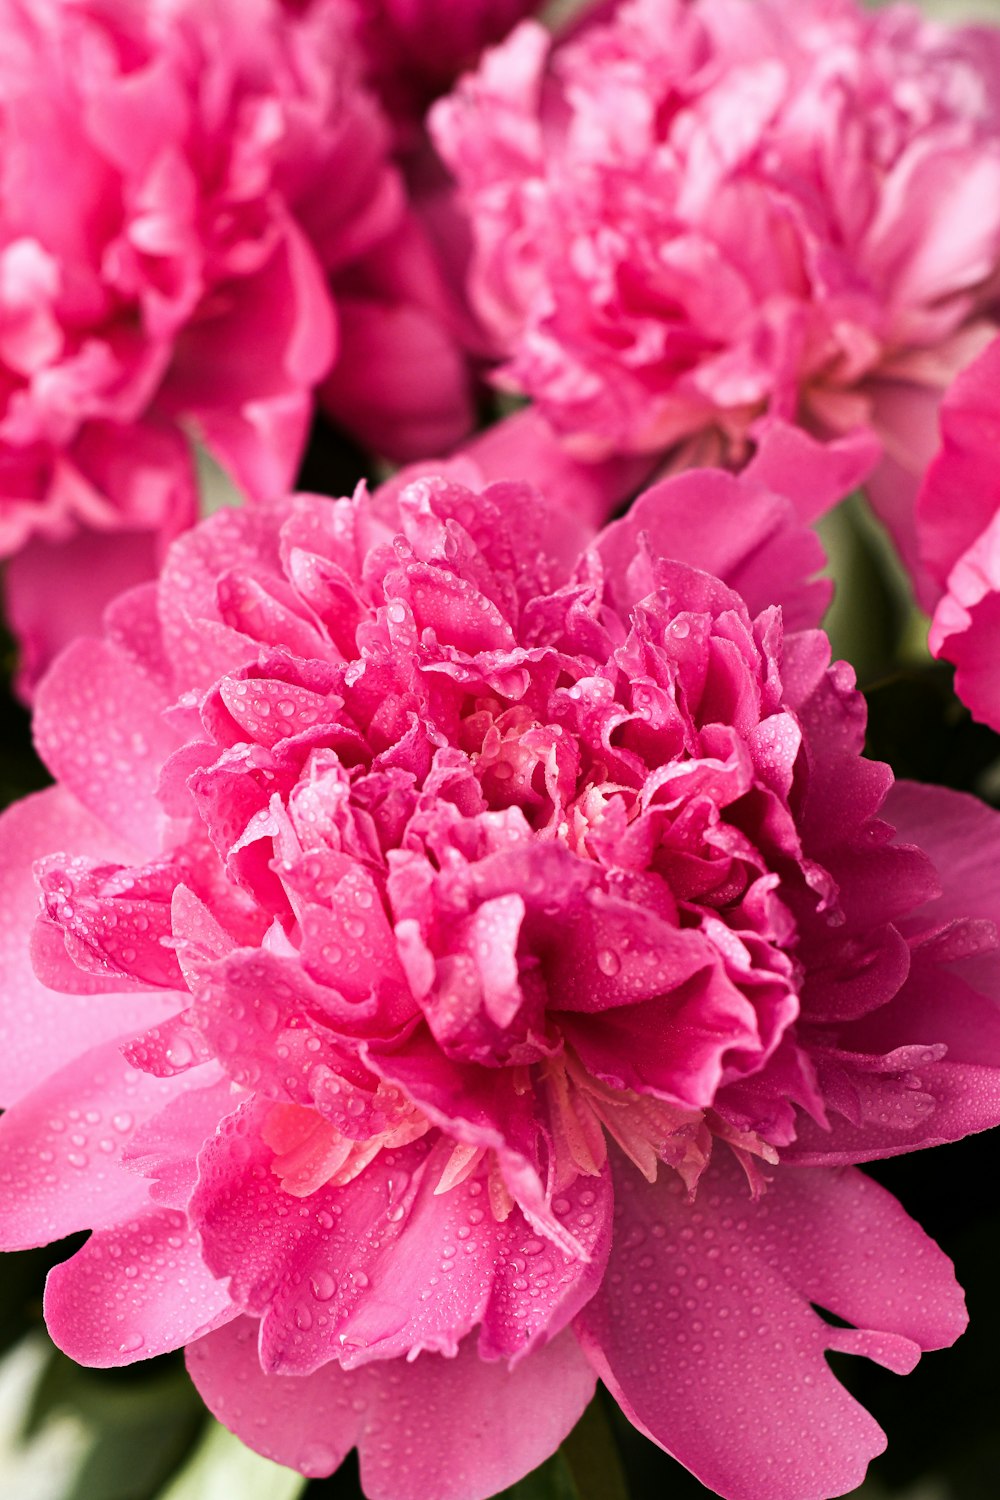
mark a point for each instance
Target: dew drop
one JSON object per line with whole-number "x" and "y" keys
{"x": 323, "y": 1286}
{"x": 180, "y": 1053}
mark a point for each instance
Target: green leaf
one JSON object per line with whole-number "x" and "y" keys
{"x": 872, "y": 604}
{"x": 142, "y": 1423}
{"x": 45, "y": 1465}
{"x": 592, "y": 1454}
{"x": 216, "y": 489}
{"x": 221, "y": 1468}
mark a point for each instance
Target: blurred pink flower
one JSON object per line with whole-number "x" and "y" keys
{"x": 187, "y": 186}
{"x": 401, "y": 383}
{"x": 957, "y": 530}
{"x": 685, "y": 215}
{"x": 471, "y": 957}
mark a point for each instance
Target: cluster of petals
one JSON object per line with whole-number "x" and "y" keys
{"x": 689, "y": 212}
{"x": 956, "y": 527}
{"x": 462, "y": 956}
{"x": 199, "y": 214}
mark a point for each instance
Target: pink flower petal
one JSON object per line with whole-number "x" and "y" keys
{"x": 961, "y": 492}
{"x": 307, "y": 1422}
{"x": 814, "y": 476}
{"x": 401, "y": 382}
{"x": 724, "y": 525}
{"x": 965, "y": 625}
{"x": 61, "y": 1148}
{"x": 457, "y": 1429}
{"x": 114, "y": 776}
{"x": 525, "y": 444}
{"x": 57, "y": 591}
{"x": 730, "y": 1282}
{"x": 959, "y": 834}
{"x": 200, "y": 644}
{"x": 158, "y": 1295}
{"x": 244, "y": 378}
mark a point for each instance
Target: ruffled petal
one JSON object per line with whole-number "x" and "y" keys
{"x": 244, "y": 379}
{"x": 385, "y": 1265}
{"x": 966, "y": 625}
{"x": 961, "y": 493}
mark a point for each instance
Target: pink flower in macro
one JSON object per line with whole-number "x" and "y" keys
{"x": 190, "y": 189}
{"x": 957, "y": 526}
{"x": 471, "y": 958}
{"x": 692, "y": 212}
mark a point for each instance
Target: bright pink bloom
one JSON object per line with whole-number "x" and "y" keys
{"x": 699, "y": 211}
{"x": 466, "y": 965}
{"x": 957, "y": 523}
{"x": 190, "y": 188}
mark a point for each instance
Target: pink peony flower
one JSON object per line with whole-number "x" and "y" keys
{"x": 467, "y": 965}
{"x": 957, "y": 525}
{"x": 688, "y": 214}
{"x": 185, "y": 182}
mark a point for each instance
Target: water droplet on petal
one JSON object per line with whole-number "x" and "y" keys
{"x": 323, "y": 1286}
